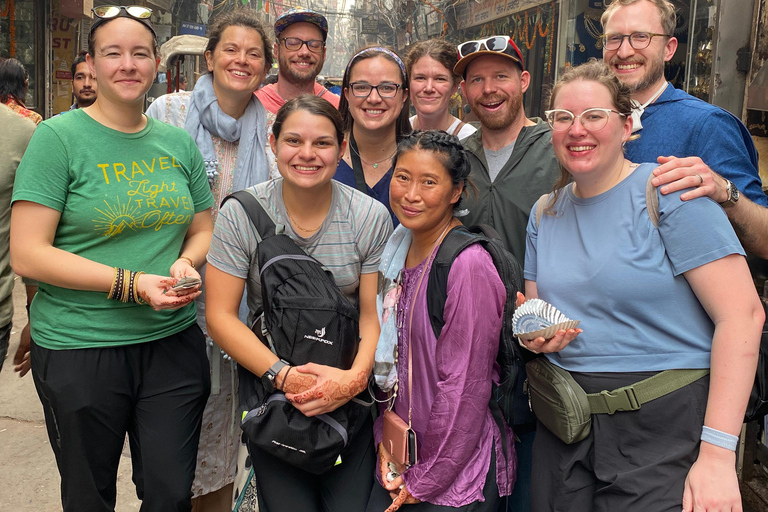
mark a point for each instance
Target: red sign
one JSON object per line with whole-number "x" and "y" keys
{"x": 63, "y": 75}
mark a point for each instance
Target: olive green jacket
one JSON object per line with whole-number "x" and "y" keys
{"x": 505, "y": 204}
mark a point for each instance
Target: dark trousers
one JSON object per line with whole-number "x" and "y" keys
{"x": 380, "y": 498}
{"x": 633, "y": 461}
{"x": 154, "y": 391}
{"x": 345, "y": 488}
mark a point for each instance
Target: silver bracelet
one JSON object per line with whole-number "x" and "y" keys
{"x": 719, "y": 438}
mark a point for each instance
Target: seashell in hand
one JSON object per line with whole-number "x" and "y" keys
{"x": 536, "y": 318}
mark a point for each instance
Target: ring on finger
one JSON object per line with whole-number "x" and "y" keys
{"x": 701, "y": 180}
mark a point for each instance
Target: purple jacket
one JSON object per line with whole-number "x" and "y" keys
{"x": 452, "y": 384}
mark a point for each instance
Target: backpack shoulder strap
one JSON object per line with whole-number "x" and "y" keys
{"x": 652, "y": 201}
{"x": 265, "y": 226}
{"x": 454, "y": 242}
{"x": 540, "y": 205}
{"x": 458, "y": 129}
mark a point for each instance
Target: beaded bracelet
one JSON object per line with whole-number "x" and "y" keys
{"x": 116, "y": 291}
{"x": 136, "y": 297}
{"x": 124, "y": 287}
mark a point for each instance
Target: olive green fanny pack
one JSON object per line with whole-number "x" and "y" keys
{"x": 563, "y": 406}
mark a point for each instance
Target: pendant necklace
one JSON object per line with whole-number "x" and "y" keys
{"x": 375, "y": 165}
{"x": 293, "y": 221}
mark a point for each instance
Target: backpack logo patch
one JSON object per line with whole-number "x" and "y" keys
{"x": 319, "y": 336}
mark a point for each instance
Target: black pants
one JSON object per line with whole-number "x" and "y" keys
{"x": 154, "y": 391}
{"x": 345, "y": 488}
{"x": 633, "y": 461}
{"x": 380, "y": 498}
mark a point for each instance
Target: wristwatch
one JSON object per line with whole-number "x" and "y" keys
{"x": 733, "y": 194}
{"x": 268, "y": 379}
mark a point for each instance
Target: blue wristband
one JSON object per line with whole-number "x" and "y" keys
{"x": 718, "y": 438}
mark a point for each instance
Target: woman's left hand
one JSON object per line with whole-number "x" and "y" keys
{"x": 712, "y": 485}
{"x": 182, "y": 268}
{"x": 401, "y": 497}
{"x": 334, "y": 388}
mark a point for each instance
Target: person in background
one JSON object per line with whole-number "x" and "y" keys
{"x": 14, "y": 83}
{"x": 299, "y": 46}
{"x": 375, "y": 109}
{"x": 14, "y": 138}
{"x": 182, "y": 83}
{"x": 675, "y": 294}
{"x": 464, "y": 461}
{"x": 228, "y": 124}
{"x": 708, "y": 148}
{"x": 512, "y": 165}
{"x": 109, "y": 230}
{"x": 84, "y": 86}
{"x": 346, "y": 231}
{"x": 432, "y": 84}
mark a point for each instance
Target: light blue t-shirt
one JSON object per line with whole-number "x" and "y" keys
{"x": 601, "y": 260}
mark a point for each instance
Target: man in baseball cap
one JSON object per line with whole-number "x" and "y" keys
{"x": 513, "y": 164}
{"x": 300, "y": 36}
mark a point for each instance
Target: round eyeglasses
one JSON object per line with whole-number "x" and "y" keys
{"x": 637, "y": 40}
{"x": 294, "y": 43}
{"x": 363, "y": 89}
{"x": 592, "y": 119}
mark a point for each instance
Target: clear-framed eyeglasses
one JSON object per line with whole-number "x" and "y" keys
{"x": 592, "y": 119}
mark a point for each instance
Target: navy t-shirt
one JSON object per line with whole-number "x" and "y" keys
{"x": 380, "y": 191}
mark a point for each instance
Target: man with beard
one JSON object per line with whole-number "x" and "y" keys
{"x": 687, "y": 136}
{"x": 513, "y": 164}
{"x": 84, "y": 86}
{"x": 300, "y": 36}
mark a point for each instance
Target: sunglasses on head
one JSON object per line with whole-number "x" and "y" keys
{"x": 501, "y": 44}
{"x": 113, "y": 11}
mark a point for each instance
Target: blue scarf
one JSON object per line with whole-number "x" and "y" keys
{"x": 205, "y": 119}
{"x": 392, "y": 263}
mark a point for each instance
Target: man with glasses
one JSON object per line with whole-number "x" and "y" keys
{"x": 687, "y": 136}
{"x": 300, "y": 36}
{"x": 513, "y": 164}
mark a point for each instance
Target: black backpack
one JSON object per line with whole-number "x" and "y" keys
{"x": 305, "y": 318}
{"x": 511, "y": 356}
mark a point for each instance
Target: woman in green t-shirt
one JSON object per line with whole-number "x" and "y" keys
{"x": 102, "y": 196}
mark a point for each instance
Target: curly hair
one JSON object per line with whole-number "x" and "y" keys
{"x": 448, "y": 151}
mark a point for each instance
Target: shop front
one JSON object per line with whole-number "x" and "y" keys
{"x": 21, "y": 38}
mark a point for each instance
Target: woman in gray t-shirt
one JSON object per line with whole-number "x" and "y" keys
{"x": 346, "y": 231}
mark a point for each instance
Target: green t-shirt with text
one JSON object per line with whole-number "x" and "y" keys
{"x": 126, "y": 200}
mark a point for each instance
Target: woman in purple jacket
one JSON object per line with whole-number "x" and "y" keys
{"x": 461, "y": 463}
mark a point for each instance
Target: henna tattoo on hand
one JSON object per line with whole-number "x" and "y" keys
{"x": 331, "y": 390}
{"x": 298, "y": 383}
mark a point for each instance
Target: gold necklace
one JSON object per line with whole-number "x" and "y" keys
{"x": 293, "y": 222}
{"x": 375, "y": 165}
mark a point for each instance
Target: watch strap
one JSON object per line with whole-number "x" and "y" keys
{"x": 269, "y": 377}
{"x": 733, "y": 193}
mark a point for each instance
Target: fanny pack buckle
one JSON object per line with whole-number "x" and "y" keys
{"x": 622, "y": 399}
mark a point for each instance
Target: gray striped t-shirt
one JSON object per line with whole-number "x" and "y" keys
{"x": 349, "y": 242}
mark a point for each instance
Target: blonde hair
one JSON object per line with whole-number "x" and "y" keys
{"x": 666, "y": 13}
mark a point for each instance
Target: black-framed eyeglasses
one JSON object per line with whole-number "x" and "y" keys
{"x": 637, "y": 40}
{"x": 592, "y": 119}
{"x": 385, "y": 90}
{"x": 113, "y": 11}
{"x": 294, "y": 43}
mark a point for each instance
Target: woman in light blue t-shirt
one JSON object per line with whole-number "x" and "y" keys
{"x": 677, "y": 295}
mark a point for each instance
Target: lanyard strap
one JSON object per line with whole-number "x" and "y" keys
{"x": 357, "y": 166}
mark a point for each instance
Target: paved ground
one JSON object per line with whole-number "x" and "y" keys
{"x": 29, "y": 480}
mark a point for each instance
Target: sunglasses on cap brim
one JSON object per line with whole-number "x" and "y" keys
{"x": 113, "y": 11}
{"x": 500, "y": 44}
